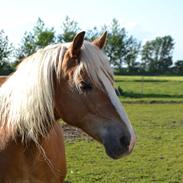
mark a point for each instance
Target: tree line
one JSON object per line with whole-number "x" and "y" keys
{"x": 127, "y": 55}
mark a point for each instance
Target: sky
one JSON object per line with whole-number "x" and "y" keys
{"x": 144, "y": 19}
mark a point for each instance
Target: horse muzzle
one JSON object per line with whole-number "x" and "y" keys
{"x": 117, "y": 147}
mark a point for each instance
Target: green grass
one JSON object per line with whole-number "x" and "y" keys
{"x": 157, "y": 157}
{"x": 158, "y": 154}
{"x": 150, "y": 89}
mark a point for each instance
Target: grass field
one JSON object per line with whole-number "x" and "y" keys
{"x": 151, "y": 89}
{"x": 158, "y": 155}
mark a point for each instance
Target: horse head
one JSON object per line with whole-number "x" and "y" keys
{"x": 85, "y": 96}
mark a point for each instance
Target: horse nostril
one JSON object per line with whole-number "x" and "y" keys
{"x": 124, "y": 141}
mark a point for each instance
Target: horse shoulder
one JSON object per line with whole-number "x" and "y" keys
{"x": 28, "y": 163}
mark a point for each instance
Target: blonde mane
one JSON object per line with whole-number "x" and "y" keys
{"x": 26, "y": 98}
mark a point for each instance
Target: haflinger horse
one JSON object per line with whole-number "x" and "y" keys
{"x": 70, "y": 81}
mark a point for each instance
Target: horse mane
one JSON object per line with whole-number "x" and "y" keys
{"x": 26, "y": 98}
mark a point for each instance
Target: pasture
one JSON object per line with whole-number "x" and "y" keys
{"x": 157, "y": 116}
{"x": 151, "y": 89}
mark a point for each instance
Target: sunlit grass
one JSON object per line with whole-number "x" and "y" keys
{"x": 157, "y": 157}
{"x": 150, "y": 89}
{"x": 169, "y": 78}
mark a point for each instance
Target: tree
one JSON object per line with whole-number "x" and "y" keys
{"x": 27, "y": 47}
{"x": 115, "y": 44}
{"x": 92, "y": 34}
{"x": 157, "y": 54}
{"x": 43, "y": 35}
{"x": 132, "y": 51}
{"x": 39, "y": 37}
{"x": 5, "y": 53}
{"x": 179, "y": 67}
{"x": 69, "y": 30}
{"x": 121, "y": 49}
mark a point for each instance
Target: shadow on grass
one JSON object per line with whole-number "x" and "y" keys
{"x": 149, "y": 95}
{"x": 67, "y": 181}
{"x": 141, "y": 80}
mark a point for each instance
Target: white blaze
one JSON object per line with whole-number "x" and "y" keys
{"x": 119, "y": 108}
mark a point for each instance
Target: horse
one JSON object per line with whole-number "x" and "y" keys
{"x": 69, "y": 81}
{"x": 3, "y": 79}
{"x": 51, "y": 144}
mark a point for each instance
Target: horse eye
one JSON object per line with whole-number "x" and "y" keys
{"x": 85, "y": 86}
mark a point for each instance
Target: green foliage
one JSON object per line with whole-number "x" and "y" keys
{"x": 43, "y": 35}
{"x": 27, "y": 47}
{"x": 179, "y": 63}
{"x": 121, "y": 48}
{"x": 178, "y": 68}
{"x": 5, "y": 52}
{"x": 115, "y": 47}
{"x": 92, "y": 34}
{"x": 40, "y": 37}
{"x": 133, "y": 48}
{"x": 5, "y": 48}
{"x": 69, "y": 30}
{"x": 157, "y": 54}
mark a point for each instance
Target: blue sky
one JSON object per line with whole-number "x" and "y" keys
{"x": 145, "y": 19}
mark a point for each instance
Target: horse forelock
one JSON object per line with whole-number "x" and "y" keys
{"x": 96, "y": 65}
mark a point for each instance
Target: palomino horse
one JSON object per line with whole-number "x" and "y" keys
{"x": 73, "y": 82}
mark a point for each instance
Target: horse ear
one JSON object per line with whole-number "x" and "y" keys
{"x": 77, "y": 43}
{"x": 100, "y": 42}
